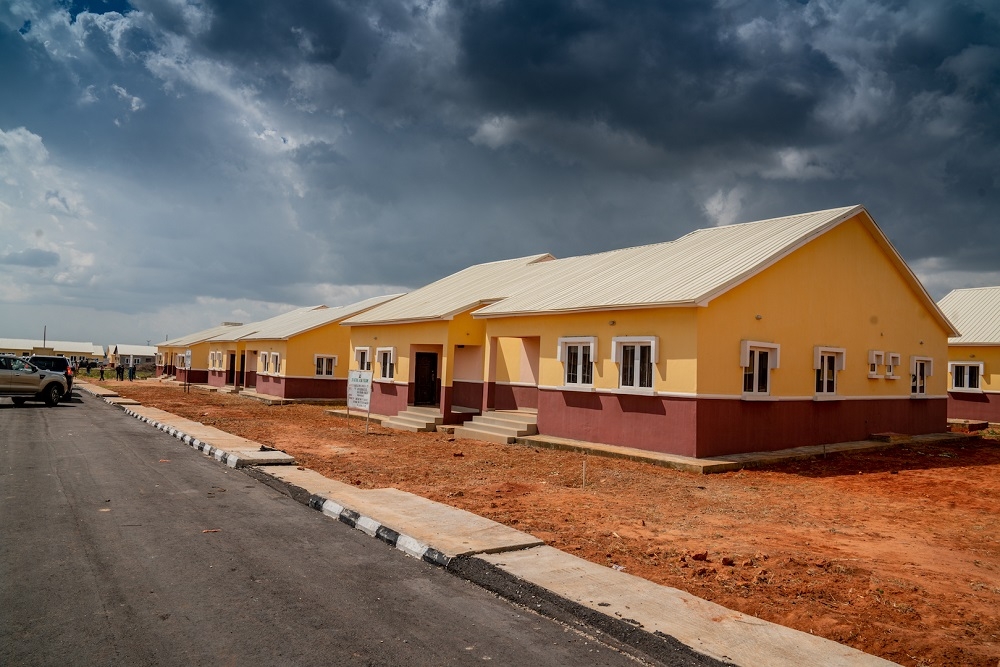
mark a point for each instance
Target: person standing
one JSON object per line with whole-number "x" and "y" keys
{"x": 131, "y": 372}
{"x": 102, "y": 372}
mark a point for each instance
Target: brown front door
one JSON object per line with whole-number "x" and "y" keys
{"x": 425, "y": 378}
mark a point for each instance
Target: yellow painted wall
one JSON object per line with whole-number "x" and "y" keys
{"x": 402, "y": 337}
{"x": 268, "y": 346}
{"x": 839, "y": 290}
{"x": 440, "y": 337}
{"x": 327, "y": 340}
{"x": 675, "y": 371}
{"x": 989, "y": 355}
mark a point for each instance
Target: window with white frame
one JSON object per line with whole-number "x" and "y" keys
{"x": 893, "y": 361}
{"x": 966, "y": 376}
{"x": 758, "y": 359}
{"x": 827, "y": 361}
{"x": 876, "y": 358}
{"x": 363, "y": 355}
{"x": 636, "y": 356}
{"x": 325, "y": 365}
{"x": 264, "y": 363}
{"x": 577, "y": 355}
{"x": 921, "y": 368}
{"x": 387, "y": 362}
{"x": 275, "y": 363}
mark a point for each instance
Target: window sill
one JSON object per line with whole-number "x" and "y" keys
{"x": 893, "y": 377}
{"x": 875, "y": 377}
{"x": 758, "y": 397}
{"x": 385, "y": 380}
{"x": 583, "y": 388}
{"x": 643, "y": 391}
{"x": 827, "y": 397}
{"x": 965, "y": 391}
{"x": 920, "y": 397}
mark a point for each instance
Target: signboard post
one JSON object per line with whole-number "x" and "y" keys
{"x": 359, "y": 393}
{"x": 187, "y": 372}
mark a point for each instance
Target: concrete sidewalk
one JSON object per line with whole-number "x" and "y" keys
{"x": 452, "y": 537}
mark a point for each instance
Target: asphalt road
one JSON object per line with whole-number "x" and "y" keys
{"x": 119, "y": 545}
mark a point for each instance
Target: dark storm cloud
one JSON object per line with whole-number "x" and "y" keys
{"x": 672, "y": 72}
{"x": 31, "y": 257}
{"x": 265, "y": 151}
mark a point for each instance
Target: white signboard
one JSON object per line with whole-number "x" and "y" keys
{"x": 359, "y": 390}
{"x": 187, "y": 360}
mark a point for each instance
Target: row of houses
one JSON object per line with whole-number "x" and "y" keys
{"x": 799, "y": 330}
{"x": 80, "y": 353}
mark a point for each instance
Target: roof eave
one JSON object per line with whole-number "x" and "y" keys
{"x": 687, "y": 303}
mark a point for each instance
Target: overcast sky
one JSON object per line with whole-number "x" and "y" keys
{"x": 166, "y": 165}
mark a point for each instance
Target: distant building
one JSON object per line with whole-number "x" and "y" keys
{"x": 76, "y": 352}
{"x": 974, "y": 355}
{"x": 131, "y": 355}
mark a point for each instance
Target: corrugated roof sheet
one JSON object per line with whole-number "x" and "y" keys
{"x": 280, "y": 328}
{"x": 239, "y": 333}
{"x": 197, "y": 337}
{"x": 136, "y": 350}
{"x": 66, "y": 347}
{"x": 482, "y": 283}
{"x": 975, "y": 313}
{"x": 689, "y": 270}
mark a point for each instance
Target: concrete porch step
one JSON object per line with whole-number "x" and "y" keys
{"x": 472, "y": 433}
{"x": 511, "y": 430}
{"x": 509, "y": 420}
{"x": 416, "y": 420}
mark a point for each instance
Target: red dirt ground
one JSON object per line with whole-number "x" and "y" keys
{"x": 896, "y": 553}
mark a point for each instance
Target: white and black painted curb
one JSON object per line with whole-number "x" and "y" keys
{"x": 373, "y": 528}
{"x": 221, "y": 455}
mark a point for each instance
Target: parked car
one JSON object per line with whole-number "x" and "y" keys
{"x": 22, "y": 381}
{"x": 58, "y": 364}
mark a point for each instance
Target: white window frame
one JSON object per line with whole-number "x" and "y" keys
{"x": 876, "y": 358}
{"x": 264, "y": 363}
{"x": 332, "y": 367}
{"x": 386, "y": 375}
{"x": 978, "y": 389}
{"x": 839, "y": 355}
{"x": 275, "y": 363}
{"x": 893, "y": 361}
{"x": 928, "y": 364}
{"x": 748, "y": 354}
{"x": 562, "y": 356}
{"x": 617, "y": 345}
{"x": 366, "y": 365}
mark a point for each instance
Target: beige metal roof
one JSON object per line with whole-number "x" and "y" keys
{"x": 135, "y": 350}
{"x": 976, "y": 314}
{"x": 242, "y": 331}
{"x": 64, "y": 347}
{"x": 689, "y": 271}
{"x": 281, "y": 328}
{"x": 479, "y": 284}
{"x": 197, "y": 337}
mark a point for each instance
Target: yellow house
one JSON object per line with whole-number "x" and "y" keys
{"x": 426, "y": 349}
{"x": 227, "y": 363}
{"x": 303, "y": 354}
{"x": 974, "y": 356}
{"x": 800, "y": 330}
{"x": 171, "y": 355}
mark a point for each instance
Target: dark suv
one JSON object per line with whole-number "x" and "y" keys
{"x": 55, "y": 364}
